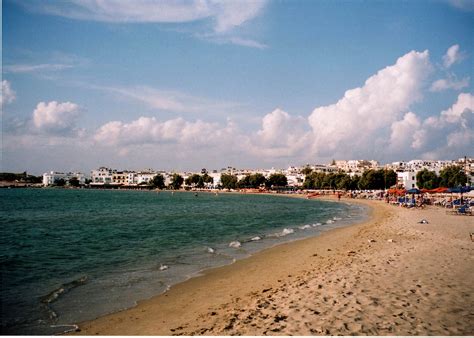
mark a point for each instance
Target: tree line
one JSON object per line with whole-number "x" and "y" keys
{"x": 228, "y": 181}
{"x": 372, "y": 179}
{"x": 369, "y": 180}
{"x": 23, "y": 177}
{"x": 449, "y": 177}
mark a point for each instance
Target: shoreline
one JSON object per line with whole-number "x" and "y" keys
{"x": 203, "y": 276}
{"x": 382, "y": 277}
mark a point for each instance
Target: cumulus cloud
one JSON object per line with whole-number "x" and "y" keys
{"x": 452, "y": 131}
{"x": 149, "y": 130}
{"x": 453, "y": 55}
{"x": 8, "y": 94}
{"x": 464, "y": 104}
{"x": 225, "y": 14}
{"x": 449, "y": 83}
{"x": 402, "y": 132}
{"x": 363, "y": 113}
{"x": 281, "y": 135}
{"x": 56, "y": 118}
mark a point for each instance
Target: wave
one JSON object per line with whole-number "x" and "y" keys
{"x": 55, "y": 294}
{"x": 317, "y": 224}
{"x": 329, "y": 221}
{"x": 256, "y": 238}
{"x": 64, "y": 288}
{"x": 211, "y": 250}
{"x": 235, "y": 244}
{"x": 304, "y": 227}
{"x": 283, "y": 233}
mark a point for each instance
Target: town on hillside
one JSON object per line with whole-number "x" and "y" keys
{"x": 340, "y": 174}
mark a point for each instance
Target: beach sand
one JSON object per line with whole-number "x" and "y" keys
{"x": 388, "y": 276}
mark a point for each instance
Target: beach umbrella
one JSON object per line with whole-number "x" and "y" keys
{"x": 397, "y": 191}
{"x": 439, "y": 190}
{"x": 459, "y": 190}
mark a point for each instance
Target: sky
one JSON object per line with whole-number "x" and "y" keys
{"x": 184, "y": 85}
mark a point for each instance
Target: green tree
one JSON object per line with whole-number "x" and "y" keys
{"x": 390, "y": 178}
{"x": 59, "y": 182}
{"x": 206, "y": 179}
{"x": 306, "y": 170}
{"x": 372, "y": 179}
{"x": 315, "y": 180}
{"x": 244, "y": 182}
{"x": 276, "y": 180}
{"x": 257, "y": 180}
{"x": 452, "y": 176}
{"x": 176, "y": 181}
{"x": 354, "y": 185}
{"x": 74, "y": 182}
{"x": 343, "y": 182}
{"x": 195, "y": 180}
{"x": 228, "y": 181}
{"x": 158, "y": 181}
{"x": 426, "y": 179}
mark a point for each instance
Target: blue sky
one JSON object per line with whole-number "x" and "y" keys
{"x": 189, "y": 84}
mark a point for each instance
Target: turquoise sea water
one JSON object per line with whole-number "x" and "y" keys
{"x": 72, "y": 255}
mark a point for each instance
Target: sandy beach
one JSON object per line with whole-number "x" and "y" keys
{"x": 388, "y": 276}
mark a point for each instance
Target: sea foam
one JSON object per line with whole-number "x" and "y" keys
{"x": 235, "y": 244}
{"x": 304, "y": 227}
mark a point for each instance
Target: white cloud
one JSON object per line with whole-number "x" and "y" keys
{"x": 281, "y": 135}
{"x": 466, "y": 5}
{"x": 56, "y": 118}
{"x": 356, "y": 121}
{"x": 33, "y": 68}
{"x": 235, "y": 40}
{"x": 449, "y": 83}
{"x": 231, "y": 14}
{"x": 226, "y": 14}
{"x": 452, "y": 132}
{"x": 149, "y": 130}
{"x": 170, "y": 100}
{"x": 402, "y": 132}
{"x": 8, "y": 94}
{"x": 464, "y": 103}
{"x": 453, "y": 55}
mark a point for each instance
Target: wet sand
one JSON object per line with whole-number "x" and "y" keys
{"x": 388, "y": 276}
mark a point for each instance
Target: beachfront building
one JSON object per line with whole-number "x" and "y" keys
{"x": 144, "y": 177}
{"x": 120, "y": 177}
{"x": 53, "y": 177}
{"x": 295, "y": 180}
{"x": 102, "y": 176}
{"x": 321, "y": 168}
{"x": 407, "y": 179}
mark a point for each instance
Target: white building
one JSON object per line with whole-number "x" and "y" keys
{"x": 52, "y": 177}
{"x": 407, "y": 179}
{"x": 144, "y": 177}
{"x": 103, "y": 175}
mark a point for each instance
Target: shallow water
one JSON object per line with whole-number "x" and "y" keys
{"x": 72, "y": 255}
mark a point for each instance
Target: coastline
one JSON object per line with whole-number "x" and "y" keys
{"x": 334, "y": 283}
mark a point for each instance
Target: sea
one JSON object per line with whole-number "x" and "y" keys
{"x": 70, "y": 255}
